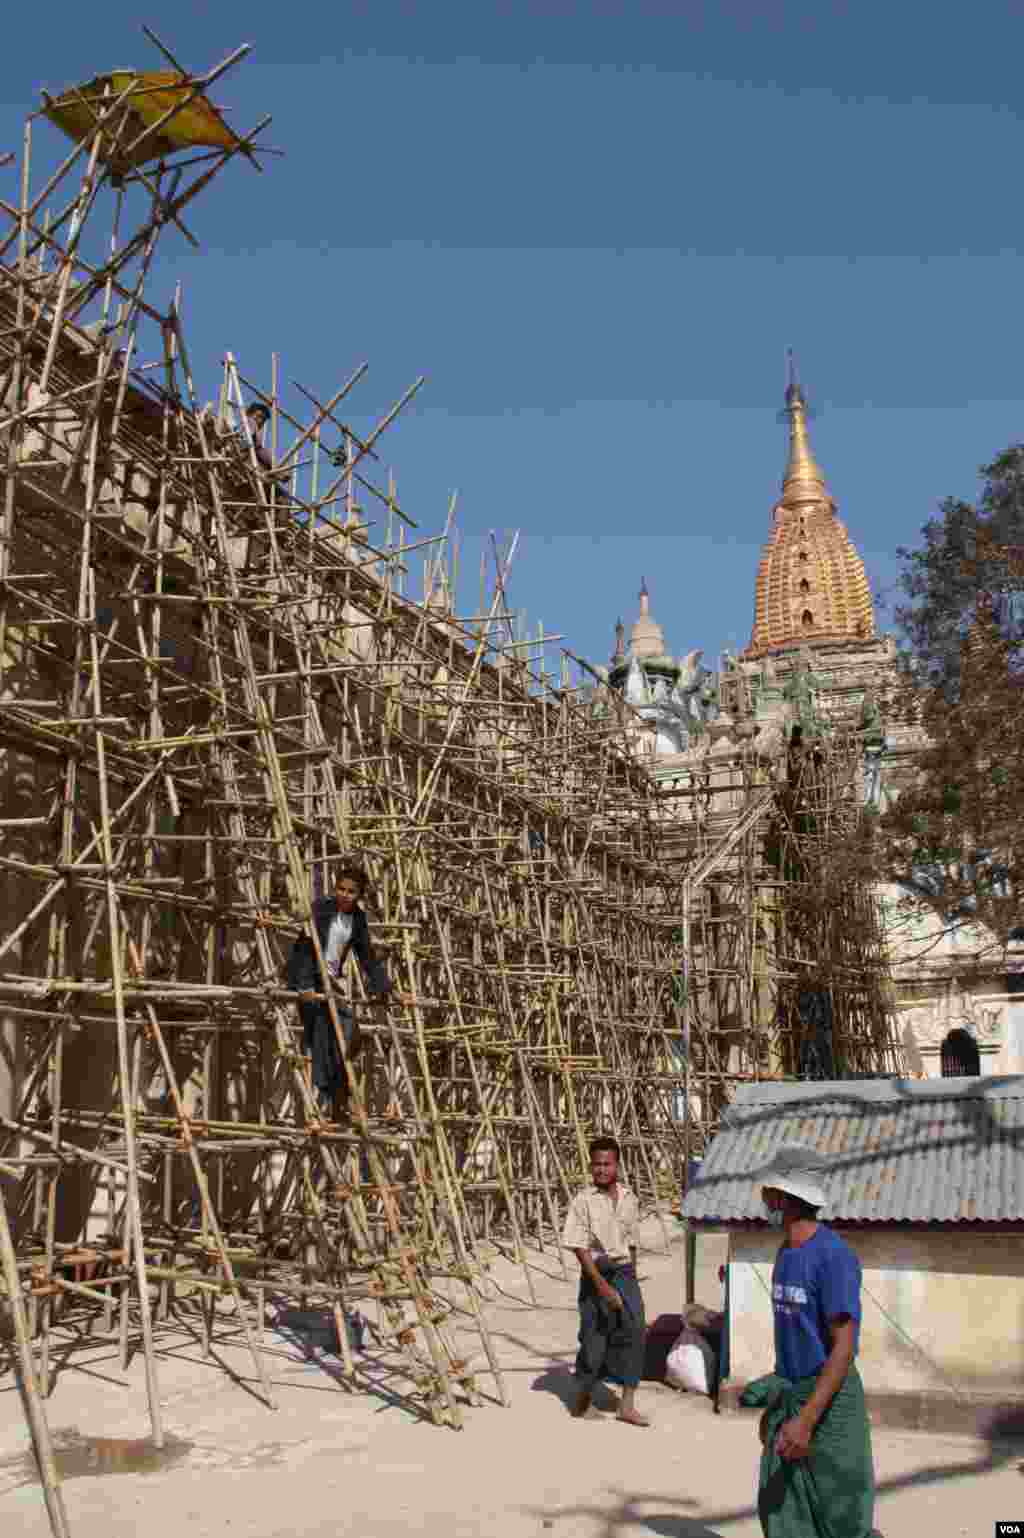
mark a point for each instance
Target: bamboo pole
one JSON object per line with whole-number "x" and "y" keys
{"x": 28, "y": 1383}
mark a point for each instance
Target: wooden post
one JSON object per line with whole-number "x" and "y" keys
{"x": 691, "y": 1262}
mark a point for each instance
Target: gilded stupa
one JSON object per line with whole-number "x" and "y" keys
{"x": 811, "y": 583}
{"x": 646, "y": 637}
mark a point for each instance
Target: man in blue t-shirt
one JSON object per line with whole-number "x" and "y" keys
{"x": 818, "y": 1419}
{"x": 815, "y": 1292}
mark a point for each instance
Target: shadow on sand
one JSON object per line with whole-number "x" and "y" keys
{"x": 561, "y": 1382}
{"x": 635, "y": 1512}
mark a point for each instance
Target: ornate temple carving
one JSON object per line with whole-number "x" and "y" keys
{"x": 674, "y": 696}
{"x": 930, "y": 1021}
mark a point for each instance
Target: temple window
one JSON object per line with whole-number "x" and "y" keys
{"x": 807, "y": 620}
{"x": 959, "y": 1056}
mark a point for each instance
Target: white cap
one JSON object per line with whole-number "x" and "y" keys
{"x": 794, "y": 1169}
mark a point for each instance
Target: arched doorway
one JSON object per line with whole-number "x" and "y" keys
{"x": 960, "y": 1056}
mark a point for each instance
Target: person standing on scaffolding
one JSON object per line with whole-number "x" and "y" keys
{"x": 341, "y": 927}
{"x": 258, "y": 417}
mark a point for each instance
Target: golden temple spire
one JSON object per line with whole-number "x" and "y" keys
{"x": 811, "y": 582}
{"x": 803, "y": 481}
{"x": 646, "y": 638}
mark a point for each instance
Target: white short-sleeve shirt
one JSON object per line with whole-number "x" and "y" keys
{"x": 338, "y": 936}
{"x": 604, "y": 1227}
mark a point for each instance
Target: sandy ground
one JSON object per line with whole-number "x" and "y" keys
{"x": 331, "y": 1462}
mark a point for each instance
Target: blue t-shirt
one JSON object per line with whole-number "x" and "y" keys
{"x": 812, "y": 1284}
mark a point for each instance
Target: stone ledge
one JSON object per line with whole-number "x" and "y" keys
{"x": 989, "y": 1417}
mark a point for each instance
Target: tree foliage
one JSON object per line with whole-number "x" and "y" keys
{"x": 954, "y": 838}
{"x": 967, "y": 552}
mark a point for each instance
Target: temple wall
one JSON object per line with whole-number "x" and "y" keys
{"x": 941, "y": 987}
{"x": 923, "y": 1292}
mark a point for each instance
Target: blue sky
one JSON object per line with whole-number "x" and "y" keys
{"x": 596, "y": 229}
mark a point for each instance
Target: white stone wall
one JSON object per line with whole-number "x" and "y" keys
{"x": 930, "y": 958}
{"x": 942, "y": 1311}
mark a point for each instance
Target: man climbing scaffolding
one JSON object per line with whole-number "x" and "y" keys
{"x": 341, "y": 927}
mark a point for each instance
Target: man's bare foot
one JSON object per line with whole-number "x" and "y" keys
{"x": 633, "y": 1418}
{"x": 581, "y": 1405}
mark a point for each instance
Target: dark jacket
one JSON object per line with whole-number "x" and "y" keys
{"x": 303, "y": 971}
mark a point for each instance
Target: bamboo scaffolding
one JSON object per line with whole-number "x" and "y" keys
{"x": 214, "y": 687}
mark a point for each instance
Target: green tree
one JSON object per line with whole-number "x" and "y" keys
{"x": 966, "y": 552}
{"x": 954, "y": 836}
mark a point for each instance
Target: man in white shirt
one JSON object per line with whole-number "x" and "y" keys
{"x": 339, "y": 936}
{"x": 341, "y": 926}
{"x": 601, "y": 1230}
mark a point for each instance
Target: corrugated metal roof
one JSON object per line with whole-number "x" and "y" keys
{"x": 893, "y": 1150}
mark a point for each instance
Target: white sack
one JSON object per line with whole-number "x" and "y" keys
{"x": 691, "y": 1364}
